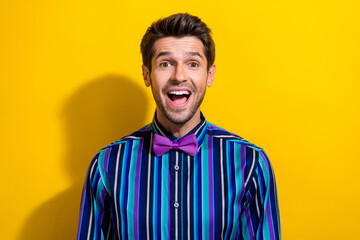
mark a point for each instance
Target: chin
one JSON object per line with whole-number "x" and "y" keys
{"x": 180, "y": 117}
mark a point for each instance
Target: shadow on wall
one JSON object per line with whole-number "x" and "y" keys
{"x": 96, "y": 115}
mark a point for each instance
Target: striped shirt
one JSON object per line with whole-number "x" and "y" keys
{"x": 226, "y": 191}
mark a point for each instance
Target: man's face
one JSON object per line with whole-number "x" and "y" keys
{"x": 178, "y": 78}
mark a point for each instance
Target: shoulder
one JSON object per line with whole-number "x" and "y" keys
{"x": 253, "y": 159}
{"x": 109, "y": 152}
{"x": 220, "y": 133}
{"x": 105, "y": 159}
{"x": 142, "y": 133}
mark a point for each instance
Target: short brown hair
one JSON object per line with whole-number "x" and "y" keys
{"x": 177, "y": 25}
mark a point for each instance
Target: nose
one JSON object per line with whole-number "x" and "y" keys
{"x": 180, "y": 74}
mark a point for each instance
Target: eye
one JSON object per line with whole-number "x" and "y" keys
{"x": 193, "y": 64}
{"x": 165, "y": 64}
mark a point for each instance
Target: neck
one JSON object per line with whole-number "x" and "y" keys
{"x": 178, "y": 130}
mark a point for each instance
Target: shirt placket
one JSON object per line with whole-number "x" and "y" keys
{"x": 175, "y": 194}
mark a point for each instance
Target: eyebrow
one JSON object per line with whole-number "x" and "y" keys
{"x": 194, "y": 54}
{"x": 163, "y": 54}
{"x": 167, "y": 53}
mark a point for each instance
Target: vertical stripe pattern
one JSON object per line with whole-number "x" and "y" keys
{"x": 226, "y": 191}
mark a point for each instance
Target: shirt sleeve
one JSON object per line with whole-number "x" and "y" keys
{"x": 95, "y": 214}
{"x": 260, "y": 217}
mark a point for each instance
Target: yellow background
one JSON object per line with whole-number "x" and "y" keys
{"x": 287, "y": 80}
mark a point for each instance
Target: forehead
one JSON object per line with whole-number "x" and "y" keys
{"x": 178, "y": 45}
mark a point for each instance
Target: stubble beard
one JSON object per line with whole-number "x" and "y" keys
{"x": 175, "y": 115}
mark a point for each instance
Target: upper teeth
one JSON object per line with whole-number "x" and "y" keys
{"x": 179, "y": 92}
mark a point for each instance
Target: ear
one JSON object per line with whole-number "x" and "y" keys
{"x": 211, "y": 74}
{"x": 146, "y": 75}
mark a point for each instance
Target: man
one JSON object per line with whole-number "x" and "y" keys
{"x": 179, "y": 177}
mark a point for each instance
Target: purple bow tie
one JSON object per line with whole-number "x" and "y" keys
{"x": 162, "y": 145}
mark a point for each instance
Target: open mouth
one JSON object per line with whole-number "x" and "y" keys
{"x": 179, "y": 97}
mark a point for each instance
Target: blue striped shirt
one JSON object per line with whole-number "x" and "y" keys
{"x": 227, "y": 191}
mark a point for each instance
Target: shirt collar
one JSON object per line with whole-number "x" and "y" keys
{"x": 199, "y": 130}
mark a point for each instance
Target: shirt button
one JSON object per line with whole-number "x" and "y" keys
{"x": 176, "y": 167}
{"x": 176, "y": 205}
